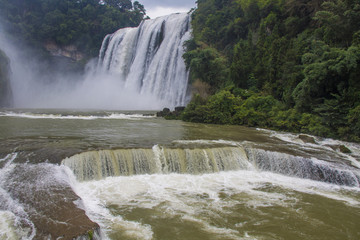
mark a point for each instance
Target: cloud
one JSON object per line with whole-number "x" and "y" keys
{"x": 162, "y": 11}
{"x": 160, "y": 8}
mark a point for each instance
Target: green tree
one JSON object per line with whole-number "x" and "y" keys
{"x": 303, "y": 55}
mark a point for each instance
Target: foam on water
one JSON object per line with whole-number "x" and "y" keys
{"x": 192, "y": 196}
{"x": 7, "y": 227}
{"x": 14, "y": 221}
{"x": 118, "y": 116}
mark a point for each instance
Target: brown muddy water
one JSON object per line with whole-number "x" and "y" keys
{"x": 129, "y": 175}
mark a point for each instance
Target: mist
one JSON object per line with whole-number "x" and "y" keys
{"x": 39, "y": 84}
{"x": 139, "y": 76}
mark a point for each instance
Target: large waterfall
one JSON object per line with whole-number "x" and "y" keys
{"x": 148, "y": 59}
{"x": 138, "y": 69}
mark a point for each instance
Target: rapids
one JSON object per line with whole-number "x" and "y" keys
{"x": 131, "y": 175}
{"x": 96, "y": 174}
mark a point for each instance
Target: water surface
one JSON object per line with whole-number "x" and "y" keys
{"x": 141, "y": 177}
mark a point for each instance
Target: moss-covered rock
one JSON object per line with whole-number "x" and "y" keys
{"x": 344, "y": 149}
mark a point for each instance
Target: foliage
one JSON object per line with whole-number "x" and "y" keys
{"x": 207, "y": 66}
{"x": 253, "y": 110}
{"x": 83, "y": 23}
{"x": 298, "y": 60}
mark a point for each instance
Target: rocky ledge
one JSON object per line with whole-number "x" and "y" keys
{"x": 69, "y": 51}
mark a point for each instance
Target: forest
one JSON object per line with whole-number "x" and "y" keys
{"x": 290, "y": 65}
{"x": 83, "y": 23}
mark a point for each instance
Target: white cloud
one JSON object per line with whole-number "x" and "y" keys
{"x": 162, "y": 11}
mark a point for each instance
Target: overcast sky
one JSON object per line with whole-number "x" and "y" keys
{"x": 157, "y": 8}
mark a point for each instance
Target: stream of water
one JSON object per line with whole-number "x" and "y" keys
{"x": 130, "y": 175}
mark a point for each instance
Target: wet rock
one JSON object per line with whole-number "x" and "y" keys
{"x": 166, "y": 113}
{"x": 49, "y": 203}
{"x": 333, "y": 147}
{"x": 307, "y": 139}
{"x": 163, "y": 113}
{"x": 6, "y": 97}
{"x": 179, "y": 109}
{"x": 344, "y": 149}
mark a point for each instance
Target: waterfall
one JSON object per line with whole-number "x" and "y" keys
{"x": 301, "y": 167}
{"x": 138, "y": 69}
{"x": 158, "y": 160}
{"x": 164, "y": 160}
{"x": 148, "y": 59}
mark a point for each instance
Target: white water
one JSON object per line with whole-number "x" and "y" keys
{"x": 206, "y": 157}
{"x": 190, "y": 196}
{"x": 14, "y": 220}
{"x": 138, "y": 69}
{"x": 110, "y": 115}
{"x": 148, "y": 59}
{"x": 190, "y": 183}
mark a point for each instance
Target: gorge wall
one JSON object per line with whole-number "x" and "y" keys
{"x": 5, "y": 87}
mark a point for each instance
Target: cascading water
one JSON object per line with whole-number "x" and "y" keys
{"x": 164, "y": 160}
{"x": 148, "y": 59}
{"x": 128, "y": 175}
{"x": 158, "y": 160}
{"x": 138, "y": 69}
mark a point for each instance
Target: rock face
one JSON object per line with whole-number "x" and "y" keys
{"x": 69, "y": 51}
{"x": 5, "y": 86}
{"x": 48, "y": 203}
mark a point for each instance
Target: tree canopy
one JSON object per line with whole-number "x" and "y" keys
{"x": 80, "y": 22}
{"x": 304, "y": 54}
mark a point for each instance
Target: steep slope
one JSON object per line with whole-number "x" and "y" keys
{"x": 5, "y": 87}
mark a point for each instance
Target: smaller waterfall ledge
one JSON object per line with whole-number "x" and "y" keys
{"x": 163, "y": 160}
{"x": 158, "y": 160}
{"x": 148, "y": 59}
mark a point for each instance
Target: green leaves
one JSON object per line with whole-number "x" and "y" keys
{"x": 303, "y": 54}
{"x": 208, "y": 66}
{"x": 326, "y": 72}
{"x": 70, "y": 21}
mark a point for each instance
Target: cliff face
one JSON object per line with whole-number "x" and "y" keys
{"x": 5, "y": 86}
{"x": 69, "y": 51}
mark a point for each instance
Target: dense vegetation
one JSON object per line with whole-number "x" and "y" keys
{"x": 83, "y": 23}
{"x": 291, "y": 65}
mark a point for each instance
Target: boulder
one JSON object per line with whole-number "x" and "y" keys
{"x": 307, "y": 139}
{"x": 344, "y": 149}
{"x": 165, "y": 112}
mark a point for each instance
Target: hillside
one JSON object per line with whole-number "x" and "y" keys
{"x": 280, "y": 64}
{"x": 71, "y": 26}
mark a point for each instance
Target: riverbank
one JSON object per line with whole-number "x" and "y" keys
{"x": 251, "y": 109}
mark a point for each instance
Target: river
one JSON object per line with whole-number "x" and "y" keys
{"x": 130, "y": 175}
